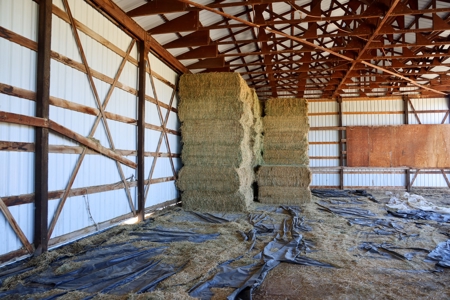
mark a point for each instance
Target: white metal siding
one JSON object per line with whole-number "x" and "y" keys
{"x": 18, "y": 68}
{"x": 67, "y": 83}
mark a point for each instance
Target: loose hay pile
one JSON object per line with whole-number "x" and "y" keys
{"x": 220, "y": 136}
{"x": 285, "y": 176}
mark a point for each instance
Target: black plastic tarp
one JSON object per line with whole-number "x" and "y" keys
{"x": 441, "y": 254}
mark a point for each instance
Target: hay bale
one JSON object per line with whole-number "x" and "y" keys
{"x": 288, "y": 176}
{"x": 288, "y": 124}
{"x": 221, "y": 86}
{"x": 257, "y": 150}
{"x": 283, "y": 195}
{"x": 212, "y": 96}
{"x": 223, "y": 132}
{"x": 286, "y": 107}
{"x": 215, "y": 155}
{"x": 286, "y": 142}
{"x": 216, "y": 110}
{"x": 257, "y": 129}
{"x": 217, "y": 201}
{"x": 214, "y": 179}
{"x": 285, "y": 157}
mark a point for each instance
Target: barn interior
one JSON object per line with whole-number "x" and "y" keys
{"x": 224, "y": 149}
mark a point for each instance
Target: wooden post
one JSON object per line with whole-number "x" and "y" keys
{"x": 141, "y": 131}
{"x": 406, "y": 122}
{"x": 341, "y": 146}
{"x": 42, "y": 111}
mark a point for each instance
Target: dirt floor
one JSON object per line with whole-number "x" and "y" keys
{"x": 361, "y": 274}
{"x": 364, "y": 253}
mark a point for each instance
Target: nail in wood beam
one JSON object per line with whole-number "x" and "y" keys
{"x": 406, "y": 122}
{"x": 341, "y": 146}
{"x": 42, "y": 111}
{"x": 141, "y": 131}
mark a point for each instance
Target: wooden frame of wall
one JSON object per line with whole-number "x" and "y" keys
{"x": 43, "y": 125}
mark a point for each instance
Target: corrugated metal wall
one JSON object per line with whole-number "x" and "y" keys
{"x": 100, "y": 195}
{"x": 72, "y": 85}
{"x": 324, "y": 144}
{"x": 18, "y": 68}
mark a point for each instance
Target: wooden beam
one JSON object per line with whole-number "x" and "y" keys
{"x": 12, "y": 118}
{"x": 318, "y": 47}
{"x": 90, "y": 144}
{"x": 56, "y": 195}
{"x": 207, "y": 63}
{"x": 406, "y": 122}
{"x": 156, "y": 7}
{"x": 41, "y": 133}
{"x": 141, "y": 130}
{"x": 200, "y": 52}
{"x": 197, "y": 38}
{"x": 63, "y": 149}
{"x": 448, "y": 111}
{"x": 115, "y": 12}
{"x": 341, "y": 145}
{"x": 446, "y": 178}
{"x": 187, "y": 22}
{"x": 414, "y": 111}
{"x": 39, "y": 122}
{"x": 12, "y": 222}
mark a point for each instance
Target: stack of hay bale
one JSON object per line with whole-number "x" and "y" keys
{"x": 285, "y": 176}
{"x": 216, "y": 114}
{"x": 257, "y": 130}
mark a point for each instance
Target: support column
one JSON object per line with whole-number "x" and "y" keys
{"x": 41, "y": 142}
{"x": 341, "y": 146}
{"x": 406, "y": 122}
{"x": 141, "y": 130}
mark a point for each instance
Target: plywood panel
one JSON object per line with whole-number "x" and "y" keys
{"x": 415, "y": 146}
{"x": 381, "y": 142}
{"x": 358, "y": 142}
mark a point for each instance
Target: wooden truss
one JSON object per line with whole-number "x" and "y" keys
{"x": 315, "y": 49}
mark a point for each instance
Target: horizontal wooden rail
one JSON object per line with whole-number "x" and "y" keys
{"x": 29, "y": 147}
{"x": 38, "y": 122}
{"x": 55, "y": 195}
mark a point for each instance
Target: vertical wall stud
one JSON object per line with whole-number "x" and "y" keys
{"x": 141, "y": 130}
{"x": 341, "y": 146}
{"x": 42, "y": 111}
{"x": 406, "y": 121}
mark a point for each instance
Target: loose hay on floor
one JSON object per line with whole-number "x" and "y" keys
{"x": 358, "y": 274}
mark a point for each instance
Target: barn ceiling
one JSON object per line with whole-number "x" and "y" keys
{"x": 311, "y": 49}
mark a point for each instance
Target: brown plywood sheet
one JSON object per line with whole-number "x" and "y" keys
{"x": 358, "y": 141}
{"x": 414, "y": 146}
{"x": 381, "y": 145}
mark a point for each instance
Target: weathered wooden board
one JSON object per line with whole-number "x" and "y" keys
{"x": 414, "y": 146}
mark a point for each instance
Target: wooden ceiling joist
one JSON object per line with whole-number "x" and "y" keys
{"x": 310, "y": 46}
